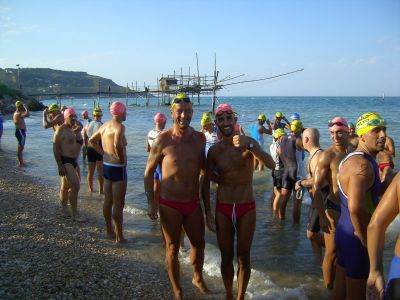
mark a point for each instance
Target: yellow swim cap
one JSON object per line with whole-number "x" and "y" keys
{"x": 206, "y": 119}
{"x": 296, "y": 126}
{"x": 261, "y": 117}
{"x": 368, "y": 121}
{"x": 279, "y": 114}
{"x": 181, "y": 97}
{"x": 18, "y": 103}
{"x": 63, "y": 107}
{"x": 53, "y": 107}
{"x": 97, "y": 112}
{"x": 278, "y": 133}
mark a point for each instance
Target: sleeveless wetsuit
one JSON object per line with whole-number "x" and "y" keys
{"x": 351, "y": 254}
{"x": 288, "y": 155}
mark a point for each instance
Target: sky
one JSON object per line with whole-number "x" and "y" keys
{"x": 346, "y": 47}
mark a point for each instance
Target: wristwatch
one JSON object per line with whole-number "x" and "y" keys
{"x": 250, "y": 146}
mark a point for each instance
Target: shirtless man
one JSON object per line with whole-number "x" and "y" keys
{"x": 21, "y": 112}
{"x": 385, "y": 213}
{"x": 113, "y": 148}
{"x": 86, "y": 122}
{"x": 311, "y": 145}
{"x": 235, "y": 211}
{"x": 67, "y": 143}
{"x": 328, "y": 206}
{"x": 353, "y": 138}
{"x": 180, "y": 151}
{"x": 52, "y": 117}
{"x": 360, "y": 188}
{"x": 385, "y": 158}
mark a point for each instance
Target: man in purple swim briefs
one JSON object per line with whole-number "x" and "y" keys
{"x": 235, "y": 209}
{"x": 360, "y": 189}
{"x": 385, "y": 213}
{"x": 180, "y": 151}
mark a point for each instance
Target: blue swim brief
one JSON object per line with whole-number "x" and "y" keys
{"x": 114, "y": 172}
{"x": 20, "y": 134}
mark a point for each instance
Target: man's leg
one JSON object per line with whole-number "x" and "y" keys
{"x": 64, "y": 187}
{"x": 91, "y": 168}
{"x": 277, "y": 193}
{"x": 74, "y": 186}
{"x": 226, "y": 238}
{"x": 339, "y": 285}
{"x": 245, "y": 231}
{"x": 107, "y": 208}
{"x": 118, "y": 196}
{"x": 100, "y": 178}
{"x": 285, "y": 195}
{"x": 19, "y": 155}
{"x": 356, "y": 288}
{"x": 193, "y": 225}
{"x": 317, "y": 243}
{"x": 329, "y": 262}
{"x": 171, "y": 222}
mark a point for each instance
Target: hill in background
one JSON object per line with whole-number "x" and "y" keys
{"x": 45, "y": 80}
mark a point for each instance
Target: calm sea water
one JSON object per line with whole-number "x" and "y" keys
{"x": 282, "y": 261}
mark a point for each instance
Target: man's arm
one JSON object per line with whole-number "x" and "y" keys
{"x": 154, "y": 159}
{"x": 210, "y": 165}
{"x": 57, "y": 151}
{"x": 320, "y": 179}
{"x": 384, "y": 214}
{"x": 357, "y": 186}
{"x": 95, "y": 139}
{"x": 118, "y": 143}
{"x": 264, "y": 157}
{"x": 25, "y": 114}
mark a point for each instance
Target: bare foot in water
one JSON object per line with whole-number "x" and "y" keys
{"x": 200, "y": 284}
{"x": 121, "y": 240}
{"x": 65, "y": 212}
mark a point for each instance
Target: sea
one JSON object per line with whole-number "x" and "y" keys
{"x": 283, "y": 266}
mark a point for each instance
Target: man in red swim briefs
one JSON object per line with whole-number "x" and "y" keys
{"x": 385, "y": 159}
{"x": 180, "y": 151}
{"x": 232, "y": 157}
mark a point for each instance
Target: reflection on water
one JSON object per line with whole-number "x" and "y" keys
{"x": 282, "y": 261}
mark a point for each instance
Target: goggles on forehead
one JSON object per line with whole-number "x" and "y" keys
{"x": 340, "y": 124}
{"x": 376, "y": 122}
{"x": 180, "y": 100}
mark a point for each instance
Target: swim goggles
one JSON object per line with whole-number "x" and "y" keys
{"x": 376, "y": 122}
{"x": 180, "y": 100}
{"x": 340, "y": 124}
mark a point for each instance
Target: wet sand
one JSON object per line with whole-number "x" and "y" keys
{"x": 44, "y": 255}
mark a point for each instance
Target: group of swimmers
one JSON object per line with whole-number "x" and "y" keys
{"x": 345, "y": 189}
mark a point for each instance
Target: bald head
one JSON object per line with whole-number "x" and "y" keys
{"x": 311, "y": 138}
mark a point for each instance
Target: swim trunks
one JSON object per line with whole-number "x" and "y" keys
{"x": 277, "y": 178}
{"x": 157, "y": 173}
{"x": 393, "y": 285}
{"x": 384, "y": 165}
{"x": 114, "y": 172}
{"x": 20, "y": 134}
{"x": 351, "y": 254}
{"x": 234, "y": 211}
{"x": 329, "y": 204}
{"x": 313, "y": 220}
{"x": 185, "y": 208}
{"x": 69, "y": 160}
{"x": 93, "y": 155}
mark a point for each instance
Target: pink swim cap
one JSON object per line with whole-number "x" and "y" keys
{"x": 117, "y": 108}
{"x": 68, "y": 112}
{"x": 223, "y": 108}
{"x": 160, "y": 118}
{"x": 338, "y": 123}
{"x": 85, "y": 113}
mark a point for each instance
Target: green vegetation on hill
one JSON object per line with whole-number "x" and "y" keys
{"x": 44, "y": 80}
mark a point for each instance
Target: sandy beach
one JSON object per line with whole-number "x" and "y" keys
{"x": 46, "y": 256}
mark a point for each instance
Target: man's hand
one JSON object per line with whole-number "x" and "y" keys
{"x": 46, "y": 111}
{"x": 375, "y": 286}
{"x": 152, "y": 207}
{"x": 324, "y": 224}
{"x": 240, "y": 141}
{"x": 61, "y": 170}
{"x": 210, "y": 221}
